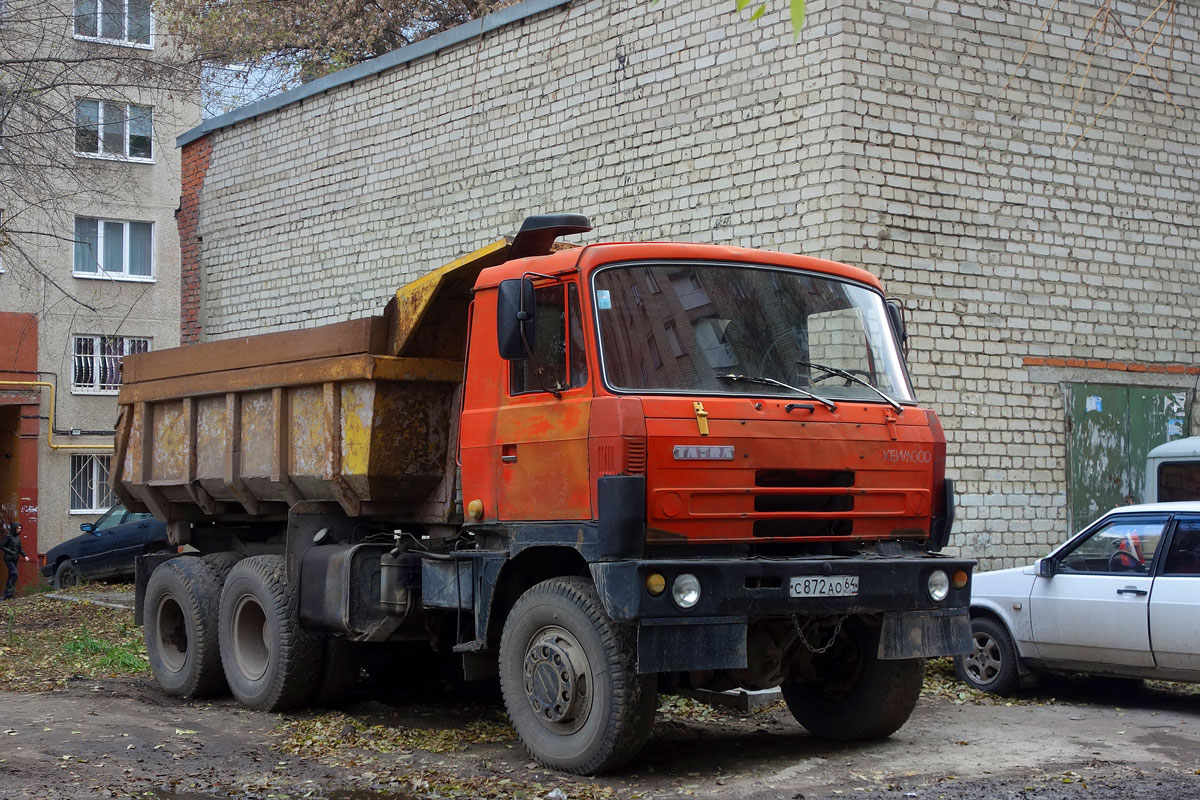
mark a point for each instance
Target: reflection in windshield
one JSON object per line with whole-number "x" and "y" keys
{"x": 680, "y": 327}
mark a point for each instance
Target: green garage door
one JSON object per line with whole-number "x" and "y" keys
{"x": 1111, "y": 430}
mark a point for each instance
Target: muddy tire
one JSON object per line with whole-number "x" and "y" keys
{"x": 858, "y": 695}
{"x": 271, "y": 663}
{"x": 567, "y": 673}
{"x": 180, "y": 628}
{"x": 66, "y": 575}
{"x": 340, "y": 668}
{"x": 222, "y": 562}
{"x": 992, "y": 665}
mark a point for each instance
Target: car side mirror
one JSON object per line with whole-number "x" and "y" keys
{"x": 1046, "y": 567}
{"x": 87, "y": 527}
{"x": 514, "y": 317}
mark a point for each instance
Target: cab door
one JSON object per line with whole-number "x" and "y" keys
{"x": 541, "y": 434}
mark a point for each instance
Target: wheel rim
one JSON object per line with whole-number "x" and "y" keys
{"x": 251, "y": 650}
{"x": 66, "y": 578}
{"x": 984, "y": 664}
{"x": 557, "y": 677}
{"x": 171, "y": 634}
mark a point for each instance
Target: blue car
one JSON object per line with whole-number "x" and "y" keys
{"x": 106, "y": 549}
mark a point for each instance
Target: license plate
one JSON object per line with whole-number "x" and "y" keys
{"x": 824, "y": 586}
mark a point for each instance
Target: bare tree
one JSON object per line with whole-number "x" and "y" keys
{"x": 289, "y": 41}
{"x": 82, "y": 88}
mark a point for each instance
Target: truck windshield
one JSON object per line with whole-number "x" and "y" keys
{"x": 688, "y": 327}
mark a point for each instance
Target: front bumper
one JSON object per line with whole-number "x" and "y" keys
{"x": 736, "y": 592}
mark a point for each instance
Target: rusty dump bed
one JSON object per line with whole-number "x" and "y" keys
{"x": 359, "y": 413}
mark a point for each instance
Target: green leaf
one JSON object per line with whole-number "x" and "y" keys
{"x": 741, "y": 4}
{"x": 758, "y": 12}
{"x": 797, "y": 17}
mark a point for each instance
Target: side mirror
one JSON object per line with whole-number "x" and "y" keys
{"x": 514, "y": 317}
{"x": 1046, "y": 567}
{"x": 896, "y": 315}
{"x": 87, "y": 527}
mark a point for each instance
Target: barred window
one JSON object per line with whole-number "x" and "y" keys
{"x": 90, "y": 490}
{"x": 97, "y": 361}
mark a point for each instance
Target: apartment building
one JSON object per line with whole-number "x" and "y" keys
{"x": 89, "y": 251}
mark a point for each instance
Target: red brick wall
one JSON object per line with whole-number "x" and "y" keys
{"x": 195, "y": 159}
{"x": 21, "y": 427}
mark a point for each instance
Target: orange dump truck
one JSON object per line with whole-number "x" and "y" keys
{"x": 594, "y": 471}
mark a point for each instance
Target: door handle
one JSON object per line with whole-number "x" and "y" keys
{"x": 508, "y": 454}
{"x": 1133, "y": 591}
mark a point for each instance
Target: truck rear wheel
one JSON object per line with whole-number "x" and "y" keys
{"x": 180, "y": 628}
{"x": 568, "y": 676}
{"x": 271, "y": 663}
{"x": 856, "y": 695}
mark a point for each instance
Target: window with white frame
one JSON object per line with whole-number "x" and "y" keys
{"x": 116, "y": 21}
{"x": 96, "y": 361}
{"x": 114, "y": 130}
{"x": 90, "y": 489}
{"x": 111, "y": 248}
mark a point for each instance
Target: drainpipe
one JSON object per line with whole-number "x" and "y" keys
{"x": 50, "y": 428}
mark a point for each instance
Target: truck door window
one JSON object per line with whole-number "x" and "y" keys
{"x": 558, "y": 361}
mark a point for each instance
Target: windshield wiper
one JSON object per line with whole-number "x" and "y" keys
{"x": 832, "y": 406}
{"x": 850, "y": 376}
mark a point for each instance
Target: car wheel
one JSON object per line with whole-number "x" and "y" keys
{"x": 857, "y": 696}
{"x": 66, "y": 575}
{"x": 568, "y": 676}
{"x": 270, "y": 661}
{"x": 180, "y": 628}
{"x": 992, "y": 666}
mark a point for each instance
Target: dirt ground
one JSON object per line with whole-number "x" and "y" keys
{"x": 122, "y": 737}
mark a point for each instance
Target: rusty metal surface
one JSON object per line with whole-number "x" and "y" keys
{"x": 427, "y": 318}
{"x": 339, "y": 339}
{"x": 300, "y": 373}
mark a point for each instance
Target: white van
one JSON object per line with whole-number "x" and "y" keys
{"x": 1173, "y": 471}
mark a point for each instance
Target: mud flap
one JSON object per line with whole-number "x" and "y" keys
{"x": 671, "y": 646}
{"x": 925, "y": 634}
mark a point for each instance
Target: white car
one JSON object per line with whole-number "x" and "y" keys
{"x": 1121, "y": 598}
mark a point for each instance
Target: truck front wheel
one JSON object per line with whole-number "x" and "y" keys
{"x": 855, "y": 694}
{"x": 180, "y": 628}
{"x": 271, "y": 663}
{"x": 570, "y": 682}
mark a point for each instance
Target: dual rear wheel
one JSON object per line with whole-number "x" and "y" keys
{"x": 217, "y": 623}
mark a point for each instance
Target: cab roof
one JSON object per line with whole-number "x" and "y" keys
{"x": 587, "y": 258}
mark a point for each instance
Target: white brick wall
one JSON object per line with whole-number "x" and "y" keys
{"x": 889, "y": 136}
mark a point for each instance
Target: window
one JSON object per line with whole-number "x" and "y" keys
{"x": 123, "y": 21}
{"x": 1123, "y": 545}
{"x": 106, "y": 248}
{"x": 558, "y": 360}
{"x": 652, "y": 349}
{"x": 114, "y": 130}
{"x": 90, "y": 492}
{"x": 652, "y": 282}
{"x": 97, "y": 362}
{"x": 1184, "y": 556}
{"x": 673, "y": 340}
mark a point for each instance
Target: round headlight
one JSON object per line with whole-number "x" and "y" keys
{"x": 938, "y": 585}
{"x": 686, "y": 590}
